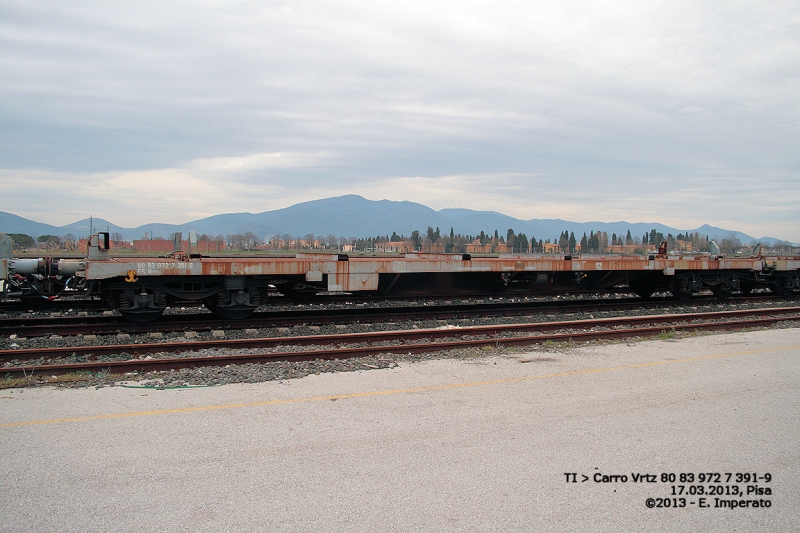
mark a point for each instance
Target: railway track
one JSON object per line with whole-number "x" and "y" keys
{"x": 93, "y": 304}
{"x": 42, "y": 304}
{"x": 106, "y": 325}
{"x": 77, "y": 303}
{"x": 139, "y": 358}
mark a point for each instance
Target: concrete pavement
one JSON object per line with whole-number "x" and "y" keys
{"x": 478, "y": 445}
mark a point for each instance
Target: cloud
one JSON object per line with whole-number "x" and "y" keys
{"x": 627, "y": 110}
{"x": 200, "y": 188}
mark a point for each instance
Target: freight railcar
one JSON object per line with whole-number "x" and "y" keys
{"x": 233, "y": 287}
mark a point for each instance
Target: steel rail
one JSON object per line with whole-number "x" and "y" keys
{"x": 42, "y": 304}
{"x": 727, "y": 320}
{"x": 39, "y": 327}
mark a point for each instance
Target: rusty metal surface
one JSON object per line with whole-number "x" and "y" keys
{"x": 783, "y": 264}
{"x": 361, "y": 273}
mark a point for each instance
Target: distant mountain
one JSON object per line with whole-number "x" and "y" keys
{"x": 10, "y": 223}
{"x": 354, "y": 216}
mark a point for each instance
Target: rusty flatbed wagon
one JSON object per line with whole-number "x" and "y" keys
{"x": 234, "y": 287}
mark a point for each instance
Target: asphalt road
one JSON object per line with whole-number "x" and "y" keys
{"x": 480, "y": 445}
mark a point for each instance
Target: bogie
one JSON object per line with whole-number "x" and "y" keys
{"x": 235, "y": 304}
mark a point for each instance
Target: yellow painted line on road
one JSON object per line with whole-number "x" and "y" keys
{"x": 390, "y": 392}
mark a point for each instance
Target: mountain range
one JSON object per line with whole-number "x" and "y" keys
{"x": 354, "y": 216}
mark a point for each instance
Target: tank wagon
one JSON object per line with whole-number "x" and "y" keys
{"x": 142, "y": 288}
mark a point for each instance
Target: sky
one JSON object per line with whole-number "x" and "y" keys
{"x": 682, "y": 113}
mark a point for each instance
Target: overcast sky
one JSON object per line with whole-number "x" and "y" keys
{"x": 683, "y": 113}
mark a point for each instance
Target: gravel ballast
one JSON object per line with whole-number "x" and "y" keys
{"x": 250, "y": 373}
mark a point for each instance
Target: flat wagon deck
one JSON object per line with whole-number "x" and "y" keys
{"x": 233, "y": 286}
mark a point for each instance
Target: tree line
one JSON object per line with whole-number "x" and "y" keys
{"x": 567, "y": 242}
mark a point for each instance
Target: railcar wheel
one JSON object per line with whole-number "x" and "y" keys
{"x": 680, "y": 289}
{"x": 210, "y": 304}
{"x": 297, "y": 291}
{"x": 231, "y": 313}
{"x": 779, "y": 289}
{"x": 136, "y": 305}
{"x": 682, "y": 296}
{"x": 722, "y": 294}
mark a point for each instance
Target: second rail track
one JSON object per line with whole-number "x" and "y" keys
{"x": 120, "y": 359}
